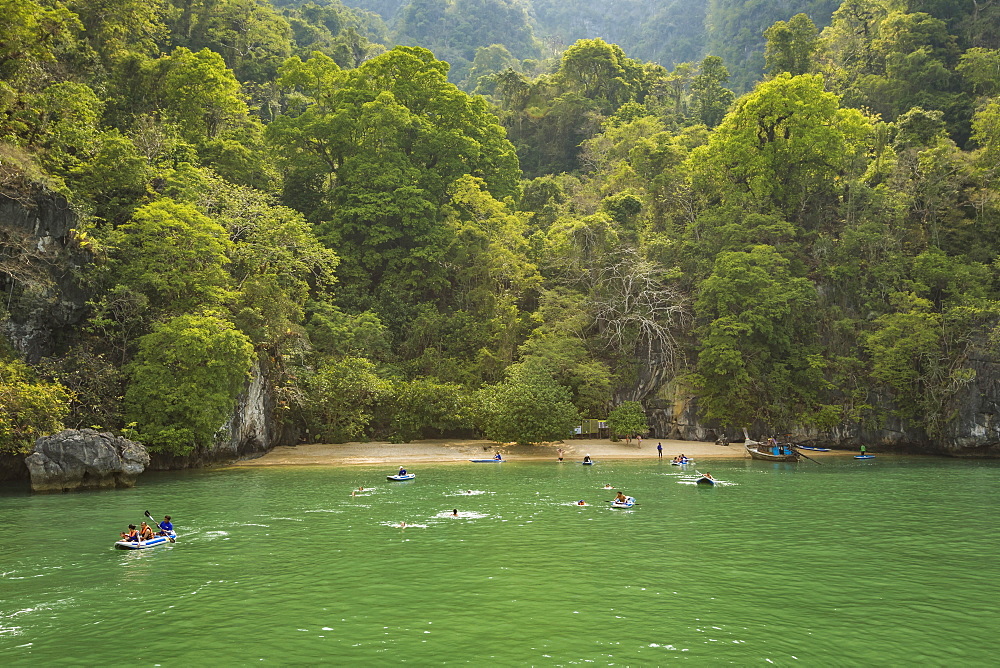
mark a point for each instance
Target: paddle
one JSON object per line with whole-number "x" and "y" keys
{"x": 157, "y": 524}
{"x": 800, "y": 454}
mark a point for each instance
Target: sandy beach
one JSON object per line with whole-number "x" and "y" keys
{"x": 445, "y": 450}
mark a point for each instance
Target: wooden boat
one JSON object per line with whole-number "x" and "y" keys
{"x": 145, "y": 544}
{"x": 765, "y": 453}
{"x": 758, "y": 450}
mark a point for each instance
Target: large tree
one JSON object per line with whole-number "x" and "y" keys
{"x": 529, "y": 406}
{"x": 377, "y": 151}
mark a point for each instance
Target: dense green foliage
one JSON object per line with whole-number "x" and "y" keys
{"x": 185, "y": 379}
{"x": 627, "y": 419}
{"x": 793, "y": 217}
{"x": 29, "y": 407}
{"x": 529, "y": 406}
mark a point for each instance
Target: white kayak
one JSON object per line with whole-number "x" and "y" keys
{"x": 144, "y": 544}
{"x": 399, "y": 478}
{"x": 627, "y": 503}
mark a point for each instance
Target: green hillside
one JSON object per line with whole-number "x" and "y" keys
{"x": 577, "y": 224}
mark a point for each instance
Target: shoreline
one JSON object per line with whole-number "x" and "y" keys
{"x": 443, "y": 451}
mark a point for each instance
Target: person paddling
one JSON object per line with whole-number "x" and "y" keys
{"x": 166, "y": 526}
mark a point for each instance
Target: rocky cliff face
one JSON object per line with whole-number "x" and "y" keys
{"x": 38, "y": 272}
{"x": 973, "y": 428}
{"x": 44, "y": 302}
{"x": 249, "y": 433}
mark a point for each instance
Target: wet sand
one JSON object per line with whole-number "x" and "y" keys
{"x": 446, "y": 450}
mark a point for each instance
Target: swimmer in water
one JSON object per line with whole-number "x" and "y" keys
{"x": 581, "y": 502}
{"x": 454, "y": 513}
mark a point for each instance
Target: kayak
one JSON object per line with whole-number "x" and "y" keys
{"x": 587, "y": 463}
{"x": 806, "y": 447}
{"x": 864, "y": 456}
{"x": 487, "y": 461}
{"x": 399, "y": 478}
{"x": 627, "y": 503}
{"x": 704, "y": 481}
{"x": 144, "y": 544}
{"x": 684, "y": 463}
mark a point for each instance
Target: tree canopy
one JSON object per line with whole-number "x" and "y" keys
{"x": 443, "y": 218}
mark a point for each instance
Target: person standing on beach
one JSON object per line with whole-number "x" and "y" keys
{"x": 659, "y": 450}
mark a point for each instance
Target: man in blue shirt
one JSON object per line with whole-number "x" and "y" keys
{"x": 165, "y": 526}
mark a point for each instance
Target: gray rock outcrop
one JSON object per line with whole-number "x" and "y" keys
{"x": 85, "y": 459}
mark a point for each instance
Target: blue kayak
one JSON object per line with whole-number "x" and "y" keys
{"x": 864, "y": 456}
{"x": 487, "y": 461}
{"x": 806, "y": 447}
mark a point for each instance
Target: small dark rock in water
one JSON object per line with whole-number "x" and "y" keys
{"x": 85, "y": 459}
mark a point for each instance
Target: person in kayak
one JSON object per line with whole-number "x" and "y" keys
{"x": 132, "y": 534}
{"x": 497, "y": 456}
{"x": 145, "y": 532}
{"x": 620, "y": 498}
{"x": 165, "y": 526}
{"x": 586, "y": 458}
{"x": 402, "y": 471}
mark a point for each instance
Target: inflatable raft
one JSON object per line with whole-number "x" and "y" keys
{"x": 627, "y": 503}
{"x": 145, "y": 544}
{"x": 704, "y": 481}
{"x": 400, "y": 478}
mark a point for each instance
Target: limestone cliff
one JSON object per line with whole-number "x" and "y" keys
{"x": 972, "y": 426}
{"x": 45, "y": 302}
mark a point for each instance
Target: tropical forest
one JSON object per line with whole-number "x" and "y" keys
{"x": 407, "y": 219}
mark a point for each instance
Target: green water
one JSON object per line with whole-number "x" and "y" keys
{"x": 890, "y": 562}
